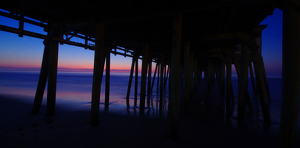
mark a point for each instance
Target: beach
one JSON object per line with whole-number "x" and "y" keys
{"x": 72, "y": 129}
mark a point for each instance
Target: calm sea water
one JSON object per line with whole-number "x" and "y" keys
{"x": 74, "y": 91}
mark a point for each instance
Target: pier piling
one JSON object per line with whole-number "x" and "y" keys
{"x": 260, "y": 86}
{"x": 52, "y": 76}
{"x": 156, "y": 67}
{"x": 129, "y": 83}
{"x": 290, "y": 74}
{"x": 161, "y": 91}
{"x": 186, "y": 76}
{"x": 136, "y": 79}
{"x": 97, "y": 74}
{"x": 143, "y": 79}
{"x": 42, "y": 80}
{"x": 243, "y": 82}
{"x": 176, "y": 44}
{"x": 149, "y": 82}
{"x": 228, "y": 84}
{"x": 107, "y": 80}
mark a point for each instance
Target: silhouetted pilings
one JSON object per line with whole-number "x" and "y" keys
{"x": 149, "y": 81}
{"x": 290, "y": 74}
{"x": 215, "y": 68}
{"x": 136, "y": 82}
{"x": 98, "y": 73}
{"x": 261, "y": 86}
{"x": 214, "y": 71}
{"x": 42, "y": 80}
{"x": 196, "y": 74}
{"x": 252, "y": 81}
{"x": 52, "y": 76}
{"x": 48, "y": 71}
{"x": 229, "y": 91}
{"x": 107, "y": 80}
{"x": 265, "y": 79}
{"x": 222, "y": 79}
{"x": 186, "y": 76}
{"x": 129, "y": 83}
{"x": 158, "y": 74}
{"x": 156, "y": 69}
{"x": 143, "y": 79}
{"x": 175, "y": 71}
{"x": 243, "y": 82}
{"x": 161, "y": 98}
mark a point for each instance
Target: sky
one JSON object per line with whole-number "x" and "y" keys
{"x": 272, "y": 44}
{"x": 25, "y": 53}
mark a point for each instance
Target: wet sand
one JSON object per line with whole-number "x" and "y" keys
{"x": 71, "y": 129}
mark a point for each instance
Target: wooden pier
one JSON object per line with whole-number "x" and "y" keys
{"x": 183, "y": 38}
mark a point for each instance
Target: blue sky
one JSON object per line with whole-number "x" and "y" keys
{"x": 272, "y": 44}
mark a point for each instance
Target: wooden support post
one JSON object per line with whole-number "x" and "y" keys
{"x": 246, "y": 97}
{"x": 255, "y": 102}
{"x": 157, "y": 79}
{"x": 136, "y": 81}
{"x": 209, "y": 76}
{"x": 206, "y": 77}
{"x": 222, "y": 80}
{"x": 290, "y": 74}
{"x": 167, "y": 77}
{"x": 129, "y": 83}
{"x": 161, "y": 91}
{"x": 232, "y": 95}
{"x": 213, "y": 75}
{"x": 243, "y": 82}
{"x": 228, "y": 84}
{"x": 186, "y": 77}
{"x": 170, "y": 79}
{"x": 252, "y": 80}
{"x": 107, "y": 80}
{"x": 181, "y": 76}
{"x": 149, "y": 82}
{"x": 191, "y": 73}
{"x": 174, "y": 101}
{"x": 196, "y": 74}
{"x": 218, "y": 76}
{"x": 156, "y": 67}
{"x": 260, "y": 86}
{"x": 237, "y": 66}
{"x": 42, "y": 80}
{"x": 52, "y": 76}
{"x": 266, "y": 80}
{"x": 143, "y": 79}
{"x": 97, "y": 73}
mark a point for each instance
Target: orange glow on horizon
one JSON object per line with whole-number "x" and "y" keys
{"x": 123, "y": 66}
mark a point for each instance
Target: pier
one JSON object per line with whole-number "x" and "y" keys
{"x": 194, "y": 46}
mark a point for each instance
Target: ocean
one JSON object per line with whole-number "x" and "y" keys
{"x": 74, "y": 92}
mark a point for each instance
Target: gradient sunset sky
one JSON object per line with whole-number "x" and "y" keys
{"x": 25, "y": 53}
